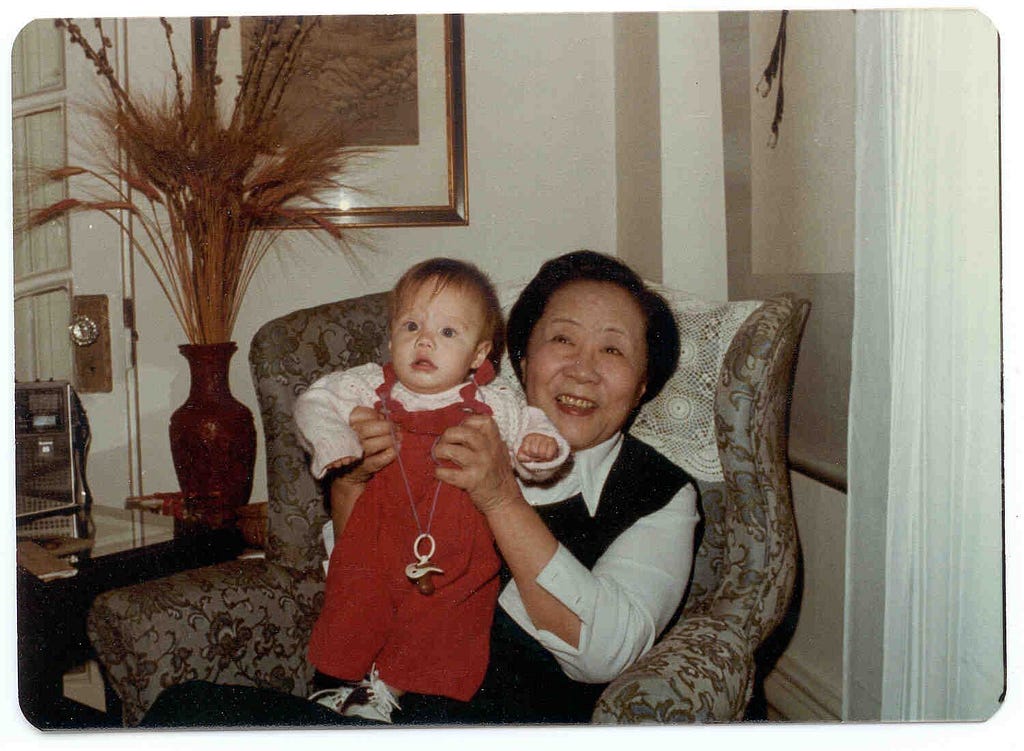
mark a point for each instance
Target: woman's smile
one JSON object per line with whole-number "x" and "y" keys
{"x": 575, "y": 404}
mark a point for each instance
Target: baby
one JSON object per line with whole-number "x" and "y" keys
{"x": 412, "y": 582}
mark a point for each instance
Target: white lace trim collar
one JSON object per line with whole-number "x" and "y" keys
{"x": 416, "y": 402}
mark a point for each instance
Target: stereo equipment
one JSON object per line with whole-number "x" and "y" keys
{"x": 51, "y": 435}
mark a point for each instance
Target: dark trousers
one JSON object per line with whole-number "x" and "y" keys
{"x": 523, "y": 685}
{"x": 199, "y": 704}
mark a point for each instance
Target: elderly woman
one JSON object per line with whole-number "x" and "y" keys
{"x": 596, "y": 561}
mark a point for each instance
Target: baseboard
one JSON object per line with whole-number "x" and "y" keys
{"x": 84, "y": 684}
{"x": 798, "y": 693}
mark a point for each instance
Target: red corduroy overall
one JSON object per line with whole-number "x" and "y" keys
{"x": 430, "y": 644}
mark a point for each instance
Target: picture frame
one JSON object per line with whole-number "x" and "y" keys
{"x": 420, "y": 184}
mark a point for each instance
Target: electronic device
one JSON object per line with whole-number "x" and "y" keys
{"x": 51, "y": 435}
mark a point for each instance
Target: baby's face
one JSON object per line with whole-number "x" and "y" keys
{"x": 436, "y": 338}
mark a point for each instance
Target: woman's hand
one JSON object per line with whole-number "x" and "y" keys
{"x": 377, "y": 441}
{"x": 485, "y": 472}
{"x": 482, "y": 463}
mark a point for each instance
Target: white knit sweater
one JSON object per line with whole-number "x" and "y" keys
{"x": 322, "y": 414}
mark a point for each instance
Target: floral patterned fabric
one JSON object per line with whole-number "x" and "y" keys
{"x": 248, "y": 622}
{"x": 241, "y": 622}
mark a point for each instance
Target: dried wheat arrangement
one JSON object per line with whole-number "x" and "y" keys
{"x": 202, "y": 195}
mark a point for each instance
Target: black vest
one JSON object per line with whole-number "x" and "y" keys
{"x": 524, "y": 683}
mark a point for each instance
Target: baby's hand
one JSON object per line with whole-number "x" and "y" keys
{"x": 537, "y": 447}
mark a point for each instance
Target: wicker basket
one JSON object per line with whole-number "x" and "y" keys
{"x": 252, "y": 521}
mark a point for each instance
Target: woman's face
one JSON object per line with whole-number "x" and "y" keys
{"x": 586, "y": 361}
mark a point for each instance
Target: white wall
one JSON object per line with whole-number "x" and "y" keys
{"x": 692, "y": 172}
{"x": 767, "y": 215}
{"x": 540, "y": 123}
{"x": 638, "y": 154}
{"x": 803, "y": 187}
{"x": 670, "y": 197}
{"x": 97, "y": 254}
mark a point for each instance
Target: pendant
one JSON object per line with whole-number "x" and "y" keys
{"x": 421, "y": 573}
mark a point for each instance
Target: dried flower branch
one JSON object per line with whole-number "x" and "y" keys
{"x": 776, "y": 67}
{"x": 199, "y": 199}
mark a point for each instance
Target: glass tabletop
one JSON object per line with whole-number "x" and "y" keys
{"x": 118, "y": 529}
{"x": 110, "y": 530}
{"x": 143, "y": 522}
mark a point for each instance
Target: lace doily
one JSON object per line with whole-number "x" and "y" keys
{"x": 680, "y": 421}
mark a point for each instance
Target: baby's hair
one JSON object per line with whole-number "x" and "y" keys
{"x": 463, "y": 276}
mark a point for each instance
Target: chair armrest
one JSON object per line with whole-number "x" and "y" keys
{"x": 241, "y": 622}
{"x": 701, "y": 671}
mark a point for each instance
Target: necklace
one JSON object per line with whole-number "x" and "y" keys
{"x": 420, "y": 572}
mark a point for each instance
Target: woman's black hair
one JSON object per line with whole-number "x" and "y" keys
{"x": 588, "y": 266}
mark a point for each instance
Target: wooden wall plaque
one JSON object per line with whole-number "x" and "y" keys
{"x": 92, "y": 361}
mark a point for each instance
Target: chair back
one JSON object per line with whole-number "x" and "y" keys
{"x": 746, "y": 564}
{"x": 288, "y": 354}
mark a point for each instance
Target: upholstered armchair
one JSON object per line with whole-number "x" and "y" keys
{"x": 723, "y": 417}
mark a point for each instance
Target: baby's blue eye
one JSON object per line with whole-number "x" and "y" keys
{"x": 410, "y": 326}
{"x": 448, "y": 332}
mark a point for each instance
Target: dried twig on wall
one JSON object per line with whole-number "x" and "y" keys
{"x": 775, "y": 68}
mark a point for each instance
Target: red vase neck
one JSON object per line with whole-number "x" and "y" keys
{"x": 208, "y": 366}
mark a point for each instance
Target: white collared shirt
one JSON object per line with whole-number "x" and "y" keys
{"x": 633, "y": 590}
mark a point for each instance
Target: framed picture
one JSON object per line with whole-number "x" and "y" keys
{"x": 396, "y": 83}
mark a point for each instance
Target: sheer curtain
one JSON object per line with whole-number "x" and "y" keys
{"x": 924, "y": 635}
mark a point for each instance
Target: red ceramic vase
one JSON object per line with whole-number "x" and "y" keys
{"x": 213, "y": 437}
